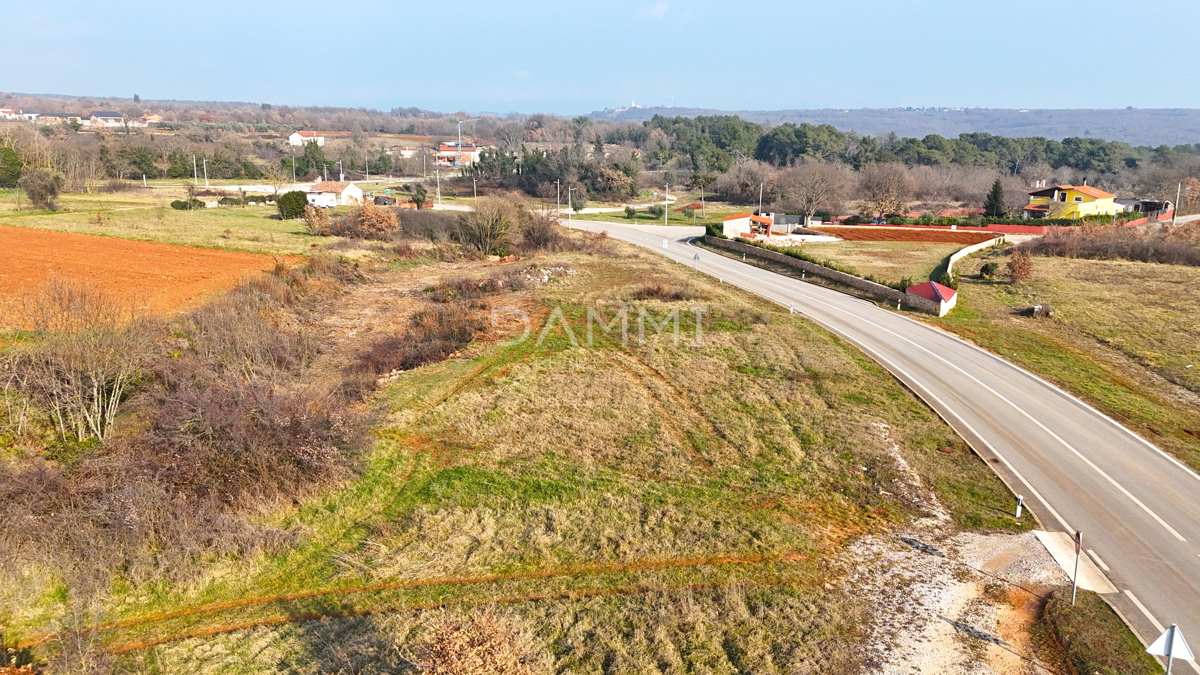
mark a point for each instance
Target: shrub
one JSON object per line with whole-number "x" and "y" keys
{"x": 663, "y": 292}
{"x": 42, "y": 188}
{"x": 656, "y": 210}
{"x": 291, "y": 204}
{"x": 486, "y": 229}
{"x": 947, "y": 280}
{"x": 432, "y": 225}
{"x": 630, "y": 212}
{"x": 988, "y": 270}
{"x": 480, "y": 645}
{"x": 189, "y": 205}
{"x": 1020, "y": 266}
{"x": 117, "y": 185}
{"x": 432, "y": 335}
{"x": 1167, "y": 245}
{"x": 539, "y": 232}
{"x": 688, "y": 212}
{"x": 316, "y": 221}
{"x": 229, "y": 201}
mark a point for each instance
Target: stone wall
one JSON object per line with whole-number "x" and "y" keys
{"x": 871, "y": 288}
{"x": 968, "y": 250}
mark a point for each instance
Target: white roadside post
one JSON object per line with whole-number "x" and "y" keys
{"x": 1020, "y": 504}
{"x": 1075, "y": 577}
{"x": 1171, "y": 645}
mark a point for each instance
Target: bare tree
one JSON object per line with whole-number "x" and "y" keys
{"x": 743, "y": 180}
{"x": 1020, "y": 266}
{"x": 510, "y": 136}
{"x": 886, "y": 188}
{"x": 812, "y": 186}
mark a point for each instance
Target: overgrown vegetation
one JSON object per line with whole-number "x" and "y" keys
{"x": 1164, "y": 244}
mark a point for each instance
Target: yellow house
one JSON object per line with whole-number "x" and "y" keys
{"x": 1071, "y": 201}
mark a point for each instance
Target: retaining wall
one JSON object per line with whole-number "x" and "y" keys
{"x": 968, "y": 250}
{"x": 870, "y": 287}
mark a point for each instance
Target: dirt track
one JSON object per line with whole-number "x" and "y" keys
{"x": 163, "y": 277}
{"x": 859, "y": 233}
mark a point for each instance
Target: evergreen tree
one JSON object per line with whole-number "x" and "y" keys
{"x": 993, "y": 206}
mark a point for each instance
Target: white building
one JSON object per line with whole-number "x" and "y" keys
{"x": 449, "y": 154}
{"x": 106, "y": 118}
{"x": 300, "y": 138}
{"x": 329, "y": 193}
{"x": 744, "y": 225}
{"x": 18, "y": 115}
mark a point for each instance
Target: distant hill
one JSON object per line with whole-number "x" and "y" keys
{"x": 1136, "y": 126}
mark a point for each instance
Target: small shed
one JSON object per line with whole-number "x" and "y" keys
{"x": 944, "y": 296}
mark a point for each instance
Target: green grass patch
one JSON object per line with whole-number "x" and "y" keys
{"x": 1094, "y": 638}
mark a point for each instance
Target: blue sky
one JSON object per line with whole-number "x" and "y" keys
{"x": 570, "y": 58}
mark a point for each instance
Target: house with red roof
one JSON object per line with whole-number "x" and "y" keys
{"x": 329, "y": 193}
{"x": 1070, "y": 201}
{"x": 745, "y": 225}
{"x": 944, "y": 296}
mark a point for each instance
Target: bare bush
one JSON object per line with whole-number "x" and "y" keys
{"x": 88, "y": 356}
{"x": 744, "y": 181}
{"x": 1168, "y": 245}
{"x": 436, "y": 226}
{"x": 664, "y": 292}
{"x": 539, "y": 232}
{"x": 486, "y": 229}
{"x": 367, "y": 222}
{"x": 432, "y": 335}
{"x": 1020, "y": 266}
{"x": 316, "y": 221}
{"x": 42, "y": 187}
{"x": 483, "y": 644}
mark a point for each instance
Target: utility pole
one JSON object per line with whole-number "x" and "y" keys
{"x": 458, "y": 162}
{"x": 366, "y": 166}
{"x": 293, "y": 165}
{"x": 558, "y": 198}
{"x": 438, "y": 172}
{"x": 1175, "y": 211}
{"x": 205, "y": 172}
{"x": 341, "y": 172}
{"x": 195, "y": 173}
{"x": 475, "y": 189}
{"x": 570, "y": 203}
{"x": 667, "y": 204}
{"x": 760, "y": 191}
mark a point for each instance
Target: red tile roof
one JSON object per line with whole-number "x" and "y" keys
{"x": 738, "y": 215}
{"x": 1091, "y": 191}
{"x": 1037, "y": 207}
{"x": 762, "y": 220}
{"x": 932, "y": 290}
{"x": 329, "y": 186}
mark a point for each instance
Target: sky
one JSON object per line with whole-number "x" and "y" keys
{"x": 572, "y": 58}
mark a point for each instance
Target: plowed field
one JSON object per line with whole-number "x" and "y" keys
{"x": 856, "y": 233}
{"x": 161, "y": 277}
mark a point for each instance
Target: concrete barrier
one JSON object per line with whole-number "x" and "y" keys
{"x": 870, "y": 287}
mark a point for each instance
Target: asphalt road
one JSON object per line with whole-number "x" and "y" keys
{"x": 1138, "y": 508}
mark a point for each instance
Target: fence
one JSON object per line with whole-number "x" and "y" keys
{"x": 869, "y": 287}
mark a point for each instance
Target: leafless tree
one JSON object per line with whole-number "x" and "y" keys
{"x": 743, "y": 180}
{"x": 510, "y": 136}
{"x": 885, "y": 188}
{"x": 812, "y": 186}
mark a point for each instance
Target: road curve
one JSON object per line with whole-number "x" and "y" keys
{"x": 1138, "y": 508}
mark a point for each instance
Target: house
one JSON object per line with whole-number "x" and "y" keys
{"x": 147, "y": 120}
{"x": 60, "y": 118}
{"x": 17, "y": 115}
{"x": 300, "y": 138}
{"x": 1070, "y": 201}
{"x": 744, "y": 225}
{"x": 105, "y": 118}
{"x": 329, "y": 193}
{"x": 944, "y": 296}
{"x": 1151, "y": 208}
{"x": 450, "y": 154}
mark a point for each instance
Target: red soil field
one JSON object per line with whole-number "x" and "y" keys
{"x": 859, "y": 233}
{"x": 160, "y": 277}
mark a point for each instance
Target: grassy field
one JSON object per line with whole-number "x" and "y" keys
{"x": 250, "y": 229}
{"x": 887, "y": 260}
{"x": 93, "y": 201}
{"x": 1122, "y": 337}
{"x": 659, "y": 507}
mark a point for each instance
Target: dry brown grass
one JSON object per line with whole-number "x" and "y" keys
{"x": 888, "y": 260}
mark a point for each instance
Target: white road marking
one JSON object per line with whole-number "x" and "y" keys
{"x": 1056, "y": 437}
{"x": 1145, "y": 611}
{"x": 1098, "y": 560}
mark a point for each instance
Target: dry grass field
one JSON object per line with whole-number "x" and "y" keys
{"x": 656, "y": 507}
{"x": 886, "y": 260}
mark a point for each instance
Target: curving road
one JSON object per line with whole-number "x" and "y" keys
{"x": 1138, "y": 508}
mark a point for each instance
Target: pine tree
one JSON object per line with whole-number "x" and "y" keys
{"x": 993, "y": 206}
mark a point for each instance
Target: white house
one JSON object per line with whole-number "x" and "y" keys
{"x": 106, "y": 118}
{"x": 743, "y": 225}
{"x": 450, "y": 154}
{"x": 300, "y": 138}
{"x": 11, "y": 114}
{"x": 329, "y": 193}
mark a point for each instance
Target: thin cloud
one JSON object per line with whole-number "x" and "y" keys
{"x": 656, "y": 12}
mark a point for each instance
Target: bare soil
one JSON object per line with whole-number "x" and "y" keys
{"x": 163, "y": 277}
{"x": 859, "y": 233}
